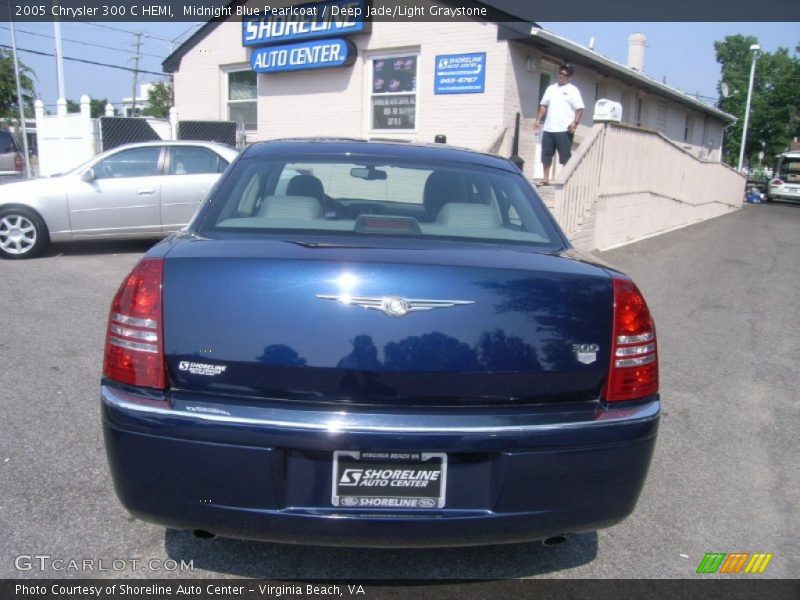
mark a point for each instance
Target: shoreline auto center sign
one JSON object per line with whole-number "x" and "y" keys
{"x": 280, "y": 30}
{"x": 460, "y": 73}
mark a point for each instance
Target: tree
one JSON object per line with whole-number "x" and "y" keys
{"x": 97, "y": 107}
{"x": 8, "y": 87}
{"x": 159, "y": 98}
{"x": 775, "y": 105}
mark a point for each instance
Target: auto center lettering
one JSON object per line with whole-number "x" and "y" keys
{"x": 302, "y": 26}
{"x": 388, "y": 477}
{"x": 312, "y": 55}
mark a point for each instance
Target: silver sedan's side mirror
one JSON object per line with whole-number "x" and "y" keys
{"x": 88, "y": 175}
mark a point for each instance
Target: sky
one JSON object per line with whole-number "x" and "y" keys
{"x": 681, "y": 52}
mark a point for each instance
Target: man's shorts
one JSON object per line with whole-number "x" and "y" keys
{"x": 552, "y": 140}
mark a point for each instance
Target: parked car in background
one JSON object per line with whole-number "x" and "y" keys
{"x": 377, "y": 344}
{"x": 143, "y": 190}
{"x": 786, "y": 183}
{"x": 11, "y": 158}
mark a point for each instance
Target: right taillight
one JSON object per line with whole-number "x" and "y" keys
{"x": 633, "y": 371}
{"x": 134, "y": 351}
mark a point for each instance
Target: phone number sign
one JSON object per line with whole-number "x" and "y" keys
{"x": 460, "y": 73}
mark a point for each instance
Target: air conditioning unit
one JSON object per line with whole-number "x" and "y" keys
{"x": 607, "y": 110}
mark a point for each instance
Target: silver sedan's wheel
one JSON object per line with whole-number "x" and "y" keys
{"x": 22, "y": 234}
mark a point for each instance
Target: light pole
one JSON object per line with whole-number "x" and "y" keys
{"x": 755, "y": 49}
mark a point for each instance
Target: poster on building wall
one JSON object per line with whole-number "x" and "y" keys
{"x": 460, "y": 73}
{"x": 394, "y": 98}
{"x": 394, "y": 112}
{"x": 395, "y": 74}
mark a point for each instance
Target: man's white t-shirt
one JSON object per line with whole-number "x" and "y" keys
{"x": 561, "y": 101}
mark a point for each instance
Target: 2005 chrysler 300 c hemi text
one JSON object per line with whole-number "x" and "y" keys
{"x": 377, "y": 344}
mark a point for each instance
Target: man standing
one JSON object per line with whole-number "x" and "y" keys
{"x": 561, "y": 108}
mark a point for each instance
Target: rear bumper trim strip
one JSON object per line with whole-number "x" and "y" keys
{"x": 342, "y": 421}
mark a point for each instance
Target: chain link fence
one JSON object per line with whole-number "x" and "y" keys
{"x": 224, "y": 132}
{"x": 111, "y": 132}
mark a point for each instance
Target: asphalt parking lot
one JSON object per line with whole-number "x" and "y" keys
{"x": 725, "y": 296}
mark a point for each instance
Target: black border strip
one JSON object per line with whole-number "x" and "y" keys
{"x": 541, "y": 589}
{"x": 497, "y": 10}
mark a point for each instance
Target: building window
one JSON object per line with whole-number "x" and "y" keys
{"x": 661, "y": 115}
{"x": 687, "y": 127}
{"x": 393, "y": 92}
{"x": 545, "y": 79}
{"x": 547, "y": 74}
{"x": 243, "y": 98}
{"x": 639, "y": 111}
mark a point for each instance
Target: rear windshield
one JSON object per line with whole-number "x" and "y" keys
{"x": 376, "y": 197}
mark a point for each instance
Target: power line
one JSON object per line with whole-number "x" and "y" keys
{"x": 44, "y": 35}
{"x": 82, "y": 60}
{"x": 177, "y": 37}
{"x": 155, "y": 37}
{"x": 100, "y": 25}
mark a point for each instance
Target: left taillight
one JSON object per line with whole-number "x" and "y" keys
{"x": 633, "y": 370}
{"x": 19, "y": 167}
{"x": 134, "y": 352}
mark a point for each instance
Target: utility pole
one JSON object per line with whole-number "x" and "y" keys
{"x": 59, "y": 60}
{"x": 135, "y": 73}
{"x": 20, "y": 103}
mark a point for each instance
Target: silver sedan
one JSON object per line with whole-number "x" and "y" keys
{"x": 143, "y": 190}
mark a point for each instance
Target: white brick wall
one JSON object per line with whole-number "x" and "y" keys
{"x": 621, "y": 220}
{"x": 199, "y": 83}
{"x": 335, "y": 102}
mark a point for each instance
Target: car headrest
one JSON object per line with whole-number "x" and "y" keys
{"x": 291, "y": 207}
{"x": 305, "y": 185}
{"x": 468, "y": 216}
{"x": 442, "y": 187}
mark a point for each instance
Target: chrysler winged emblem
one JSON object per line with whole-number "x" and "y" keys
{"x": 394, "y": 306}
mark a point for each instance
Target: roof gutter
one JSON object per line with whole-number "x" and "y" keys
{"x": 627, "y": 73}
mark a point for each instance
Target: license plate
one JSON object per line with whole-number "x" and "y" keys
{"x": 395, "y": 480}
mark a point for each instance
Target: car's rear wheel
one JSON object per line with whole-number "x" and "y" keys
{"x": 22, "y": 233}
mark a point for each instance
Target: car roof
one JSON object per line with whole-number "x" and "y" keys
{"x": 174, "y": 143}
{"x": 375, "y": 148}
{"x": 224, "y": 149}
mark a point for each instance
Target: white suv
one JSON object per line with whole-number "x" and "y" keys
{"x": 786, "y": 183}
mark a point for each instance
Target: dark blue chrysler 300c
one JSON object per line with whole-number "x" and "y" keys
{"x": 377, "y": 344}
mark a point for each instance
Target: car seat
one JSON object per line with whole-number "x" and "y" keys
{"x": 443, "y": 187}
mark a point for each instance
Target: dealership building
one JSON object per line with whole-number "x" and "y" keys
{"x": 297, "y": 75}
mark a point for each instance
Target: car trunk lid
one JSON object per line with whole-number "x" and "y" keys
{"x": 428, "y": 324}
